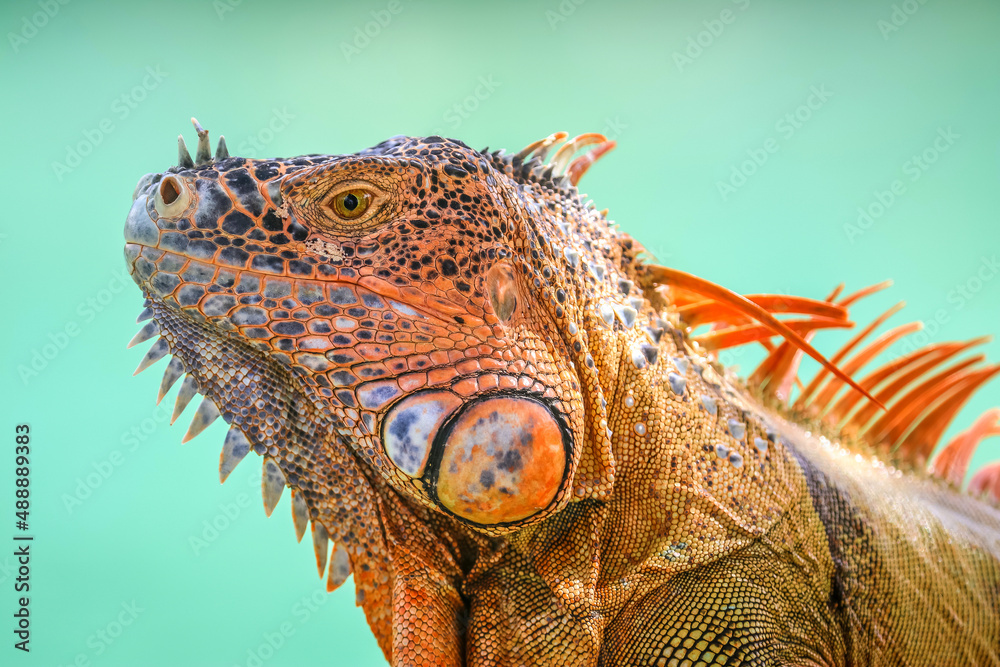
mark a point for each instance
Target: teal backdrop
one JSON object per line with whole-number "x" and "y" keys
{"x": 769, "y": 146}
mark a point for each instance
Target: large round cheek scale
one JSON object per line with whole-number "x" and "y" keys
{"x": 503, "y": 460}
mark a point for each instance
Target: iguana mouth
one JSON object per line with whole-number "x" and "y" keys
{"x": 157, "y": 256}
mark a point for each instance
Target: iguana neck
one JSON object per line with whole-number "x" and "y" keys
{"x": 700, "y": 467}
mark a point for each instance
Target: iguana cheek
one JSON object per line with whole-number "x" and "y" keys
{"x": 503, "y": 460}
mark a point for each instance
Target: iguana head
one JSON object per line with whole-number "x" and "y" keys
{"x": 425, "y": 309}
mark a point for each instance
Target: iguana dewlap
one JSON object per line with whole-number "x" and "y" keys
{"x": 516, "y": 434}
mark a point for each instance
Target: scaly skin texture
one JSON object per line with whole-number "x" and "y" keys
{"x": 476, "y": 390}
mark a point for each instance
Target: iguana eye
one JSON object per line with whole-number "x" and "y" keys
{"x": 350, "y": 204}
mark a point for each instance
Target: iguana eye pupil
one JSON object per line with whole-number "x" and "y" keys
{"x": 350, "y": 204}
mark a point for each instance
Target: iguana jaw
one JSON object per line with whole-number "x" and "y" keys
{"x": 270, "y": 410}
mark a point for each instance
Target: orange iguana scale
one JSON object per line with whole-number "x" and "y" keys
{"x": 515, "y": 432}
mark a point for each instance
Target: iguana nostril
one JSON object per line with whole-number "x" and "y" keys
{"x": 169, "y": 190}
{"x": 172, "y": 197}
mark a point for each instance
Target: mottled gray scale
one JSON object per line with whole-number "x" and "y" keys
{"x": 277, "y": 289}
{"x": 190, "y": 295}
{"x": 198, "y": 273}
{"x": 737, "y": 429}
{"x": 250, "y": 315}
{"x": 233, "y": 256}
{"x": 164, "y": 283}
{"x": 174, "y": 241}
{"x": 342, "y": 296}
{"x": 218, "y": 304}
{"x": 374, "y": 397}
{"x": 143, "y": 269}
{"x": 638, "y": 358}
{"x": 321, "y": 545}
{"x": 237, "y": 223}
{"x": 213, "y": 203}
{"x": 651, "y": 352}
{"x": 249, "y": 283}
{"x": 372, "y": 300}
{"x": 405, "y": 451}
{"x": 202, "y": 249}
{"x": 313, "y": 361}
{"x": 245, "y": 189}
{"x": 139, "y": 227}
{"x": 310, "y": 294}
{"x": 144, "y": 183}
{"x": 225, "y": 278}
{"x": 175, "y": 369}
{"x": 626, "y": 314}
{"x": 343, "y": 378}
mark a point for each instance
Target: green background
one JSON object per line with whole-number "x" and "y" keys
{"x": 296, "y": 78}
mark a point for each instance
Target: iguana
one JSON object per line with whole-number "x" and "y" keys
{"x": 514, "y": 428}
